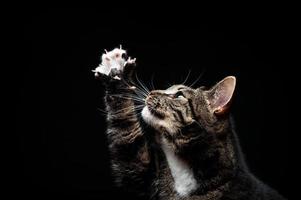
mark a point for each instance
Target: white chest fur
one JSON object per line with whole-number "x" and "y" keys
{"x": 184, "y": 181}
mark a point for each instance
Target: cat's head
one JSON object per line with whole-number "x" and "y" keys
{"x": 170, "y": 111}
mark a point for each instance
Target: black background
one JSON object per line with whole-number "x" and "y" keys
{"x": 61, "y": 142}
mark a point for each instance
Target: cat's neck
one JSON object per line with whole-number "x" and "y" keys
{"x": 203, "y": 170}
{"x": 183, "y": 175}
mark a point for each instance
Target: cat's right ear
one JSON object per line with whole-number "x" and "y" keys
{"x": 219, "y": 96}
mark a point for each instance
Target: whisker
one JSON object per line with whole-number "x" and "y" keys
{"x": 130, "y": 98}
{"x": 132, "y": 115}
{"x": 198, "y": 78}
{"x": 126, "y": 95}
{"x": 141, "y": 84}
{"x": 186, "y": 79}
{"x": 137, "y": 96}
{"x": 140, "y": 90}
{"x": 130, "y": 108}
{"x": 152, "y": 81}
{"x": 140, "y": 93}
{"x": 104, "y": 112}
{"x": 168, "y": 85}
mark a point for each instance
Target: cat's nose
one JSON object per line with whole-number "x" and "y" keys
{"x": 124, "y": 56}
{"x": 151, "y": 99}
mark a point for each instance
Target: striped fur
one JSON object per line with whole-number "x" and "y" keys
{"x": 189, "y": 150}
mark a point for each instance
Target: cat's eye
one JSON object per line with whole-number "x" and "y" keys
{"x": 179, "y": 94}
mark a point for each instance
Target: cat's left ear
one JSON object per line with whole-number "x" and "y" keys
{"x": 220, "y": 95}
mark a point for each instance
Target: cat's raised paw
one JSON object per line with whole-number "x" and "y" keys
{"x": 113, "y": 64}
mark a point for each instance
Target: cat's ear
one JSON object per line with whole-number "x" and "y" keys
{"x": 220, "y": 95}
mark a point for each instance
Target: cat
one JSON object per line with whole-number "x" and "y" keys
{"x": 189, "y": 151}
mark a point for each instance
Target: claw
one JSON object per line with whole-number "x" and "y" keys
{"x": 131, "y": 61}
{"x": 111, "y": 65}
{"x": 117, "y": 78}
{"x": 96, "y": 73}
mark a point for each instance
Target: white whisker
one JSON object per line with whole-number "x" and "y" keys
{"x": 187, "y": 77}
{"x": 198, "y": 78}
{"x": 142, "y": 85}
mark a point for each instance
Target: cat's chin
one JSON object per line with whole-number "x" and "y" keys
{"x": 148, "y": 117}
{"x": 153, "y": 120}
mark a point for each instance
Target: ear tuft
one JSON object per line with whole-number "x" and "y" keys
{"x": 221, "y": 94}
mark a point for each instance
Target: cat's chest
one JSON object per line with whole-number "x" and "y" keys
{"x": 178, "y": 175}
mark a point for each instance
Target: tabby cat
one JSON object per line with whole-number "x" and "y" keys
{"x": 189, "y": 150}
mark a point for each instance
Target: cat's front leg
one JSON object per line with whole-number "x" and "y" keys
{"x": 115, "y": 71}
{"x": 130, "y": 155}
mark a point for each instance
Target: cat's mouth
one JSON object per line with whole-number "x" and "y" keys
{"x": 152, "y": 114}
{"x": 154, "y": 109}
{"x": 156, "y": 119}
{"x": 156, "y": 113}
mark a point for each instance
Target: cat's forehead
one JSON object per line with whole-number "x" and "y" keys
{"x": 175, "y": 88}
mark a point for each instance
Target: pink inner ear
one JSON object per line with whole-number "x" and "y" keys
{"x": 222, "y": 93}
